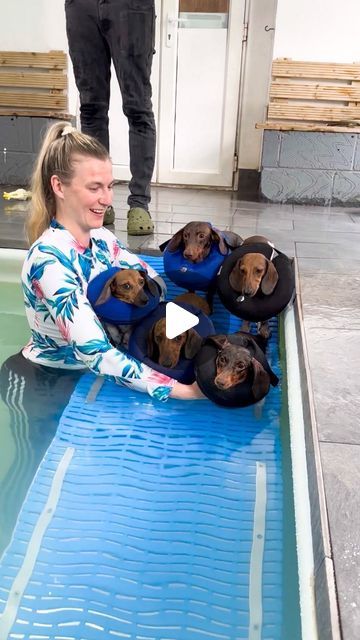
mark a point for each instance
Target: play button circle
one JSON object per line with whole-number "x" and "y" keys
{"x": 178, "y": 320}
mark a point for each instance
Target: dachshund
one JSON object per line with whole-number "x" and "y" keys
{"x": 196, "y": 239}
{"x": 251, "y": 273}
{"x": 166, "y": 351}
{"x": 234, "y": 364}
{"x": 127, "y": 285}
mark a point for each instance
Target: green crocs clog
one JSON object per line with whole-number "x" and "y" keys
{"x": 109, "y": 216}
{"x": 139, "y": 222}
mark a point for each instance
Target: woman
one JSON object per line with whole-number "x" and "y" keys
{"x": 71, "y": 190}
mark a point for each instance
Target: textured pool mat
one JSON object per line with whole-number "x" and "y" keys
{"x": 151, "y": 521}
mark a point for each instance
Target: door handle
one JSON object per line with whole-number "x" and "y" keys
{"x": 171, "y": 24}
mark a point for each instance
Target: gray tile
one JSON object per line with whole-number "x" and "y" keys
{"x": 328, "y": 265}
{"x": 297, "y": 185}
{"x": 339, "y": 249}
{"x": 334, "y": 359}
{"x": 271, "y": 148}
{"x": 330, "y": 301}
{"x": 316, "y": 150}
{"x": 347, "y": 187}
{"x": 342, "y": 480}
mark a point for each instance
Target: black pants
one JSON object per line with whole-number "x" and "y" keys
{"x": 123, "y": 31}
{"x": 35, "y": 397}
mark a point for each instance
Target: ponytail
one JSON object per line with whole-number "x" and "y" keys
{"x": 60, "y": 144}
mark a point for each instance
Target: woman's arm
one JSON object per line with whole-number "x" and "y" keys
{"x": 52, "y": 276}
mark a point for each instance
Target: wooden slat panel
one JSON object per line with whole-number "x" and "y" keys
{"x": 33, "y": 100}
{"x": 295, "y": 111}
{"x": 327, "y": 70}
{"x": 302, "y": 126}
{"x": 49, "y": 60}
{"x": 53, "y": 80}
{"x": 314, "y": 91}
{"x": 43, "y": 113}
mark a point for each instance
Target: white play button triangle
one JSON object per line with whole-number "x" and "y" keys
{"x": 178, "y": 320}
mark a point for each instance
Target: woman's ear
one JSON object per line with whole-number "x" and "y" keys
{"x": 57, "y": 186}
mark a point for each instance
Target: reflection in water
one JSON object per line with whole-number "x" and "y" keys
{"x": 35, "y": 397}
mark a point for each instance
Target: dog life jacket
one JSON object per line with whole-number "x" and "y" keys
{"x": 138, "y": 342}
{"x": 240, "y": 395}
{"x": 116, "y": 311}
{"x": 193, "y": 276}
{"x": 259, "y": 307}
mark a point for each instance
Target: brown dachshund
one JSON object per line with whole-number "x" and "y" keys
{"x": 167, "y": 351}
{"x": 234, "y": 364}
{"x": 128, "y": 285}
{"x": 196, "y": 239}
{"x": 251, "y": 273}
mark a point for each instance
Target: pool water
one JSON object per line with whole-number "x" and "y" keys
{"x": 157, "y": 532}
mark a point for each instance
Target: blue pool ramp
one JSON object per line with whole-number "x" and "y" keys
{"x": 152, "y": 521}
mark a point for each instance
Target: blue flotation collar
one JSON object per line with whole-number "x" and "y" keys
{"x": 195, "y": 277}
{"x": 184, "y": 370}
{"x": 113, "y": 310}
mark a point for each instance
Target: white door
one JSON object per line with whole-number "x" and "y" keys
{"x": 199, "y": 91}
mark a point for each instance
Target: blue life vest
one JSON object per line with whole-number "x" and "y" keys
{"x": 184, "y": 370}
{"x": 193, "y": 276}
{"x": 116, "y": 311}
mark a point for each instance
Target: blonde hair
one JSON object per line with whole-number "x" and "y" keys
{"x": 60, "y": 144}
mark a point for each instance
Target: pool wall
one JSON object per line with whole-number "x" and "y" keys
{"x": 323, "y": 587}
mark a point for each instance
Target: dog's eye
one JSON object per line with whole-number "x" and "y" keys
{"x": 126, "y": 286}
{"x": 177, "y": 339}
{"x": 258, "y": 271}
{"x": 201, "y": 236}
{"x": 141, "y": 282}
{"x": 221, "y": 359}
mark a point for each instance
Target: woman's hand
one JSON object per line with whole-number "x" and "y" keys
{"x": 187, "y": 392}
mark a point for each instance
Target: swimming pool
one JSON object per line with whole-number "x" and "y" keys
{"x": 151, "y": 521}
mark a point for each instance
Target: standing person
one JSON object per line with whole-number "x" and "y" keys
{"x": 122, "y": 31}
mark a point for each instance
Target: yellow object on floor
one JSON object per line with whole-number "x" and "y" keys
{"x": 19, "y": 194}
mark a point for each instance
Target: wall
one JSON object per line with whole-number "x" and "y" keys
{"x": 323, "y": 31}
{"x": 36, "y": 25}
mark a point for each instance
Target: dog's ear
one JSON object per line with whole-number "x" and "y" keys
{"x": 151, "y": 347}
{"x": 106, "y": 291}
{"x": 151, "y": 285}
{"x": 261, "y": 382}
{"x": 232, "y": 239}
{"x": 217, "y": 236}
{"x": 192, "y": 344}
{"x": 235, "y": 277}
{"x": 219, "y": 340}
{"x": 270, "y": 279}
{"x": 175, "y": 241}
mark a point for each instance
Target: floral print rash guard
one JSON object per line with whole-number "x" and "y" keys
{"x": 65, "y": 331}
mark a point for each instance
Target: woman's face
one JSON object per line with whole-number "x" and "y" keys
{"x": 81, "y": 204}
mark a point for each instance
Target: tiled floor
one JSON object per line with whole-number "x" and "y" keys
{"x": 326, "y": 242}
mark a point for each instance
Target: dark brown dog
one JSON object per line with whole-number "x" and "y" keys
{"x": 128, "y": 285}
{"x": 196, "y": 239}
{"x": 251, "y": 273}
{"x": 234, "y": 364}
{"x": 167, "y": 351}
